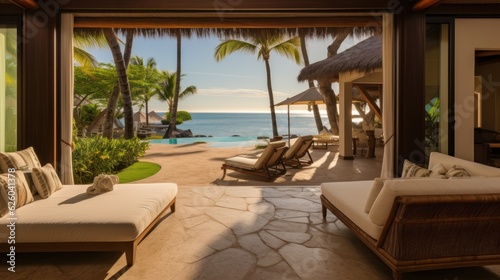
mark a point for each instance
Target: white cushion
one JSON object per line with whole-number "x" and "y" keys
{"x": 393, "y": 188}
{"x": 350, "y": 199}
{"x": 72, "y": 215}
{"x": 377, "y": 185}
{"x": 411, "y": 169}
{"x": 473, "y": 168}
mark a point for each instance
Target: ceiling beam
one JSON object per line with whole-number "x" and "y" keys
{"x": 27, "y": 4}
{"x": 423, "y": 5}
{"x": 371, "y": 102}
{"x": 215, "y": 22}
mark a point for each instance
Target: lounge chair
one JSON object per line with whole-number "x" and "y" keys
{"x": 268, "y": 164}
{"x": 298, "y": 150}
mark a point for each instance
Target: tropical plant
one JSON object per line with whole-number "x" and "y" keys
{"x": 85, "y": 115}
{"x": 263, "y": 44}
{"x": 145, "y": 77}
{"x": 182, "y": 116}
{"x": 175, "y": 102}
{"x": 166, "y": 90}
{"x": 82, "y": 40}
{"x": 96, "y": 155}
{"x": 305, "y": 56}
{"x": 432, "y": 116}
{"x": 121, "y": 63}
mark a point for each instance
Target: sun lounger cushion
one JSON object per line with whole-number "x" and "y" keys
{"x": 350, "y": 199}
{"x": 71, "y": 215}
{"x": 255, "y": 163}
{"x": 297, "y": 145}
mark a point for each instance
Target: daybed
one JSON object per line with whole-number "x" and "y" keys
{"x": 424, "y": 223}
{"x": 69, "y": 219}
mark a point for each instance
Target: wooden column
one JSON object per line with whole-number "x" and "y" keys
{"x": 345, "y": 120}
{"x": 410, "y": 59}
{"x": 38, "y": 99}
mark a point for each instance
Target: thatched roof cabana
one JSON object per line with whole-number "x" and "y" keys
{"x": 365, "y": 56}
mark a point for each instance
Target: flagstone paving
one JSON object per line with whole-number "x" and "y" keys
{"x": 248, "y": 233}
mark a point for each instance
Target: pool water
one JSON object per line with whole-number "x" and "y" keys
{"x": 218, "y": 142}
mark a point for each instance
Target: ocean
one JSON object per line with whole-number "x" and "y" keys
{"x": 250, "y": 124}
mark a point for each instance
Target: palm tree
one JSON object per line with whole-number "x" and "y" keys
{"x": 263, "y": 44}
{"x": 175, "y": 102}
{"x": 121, "y": 63}
{"x": 147, "y": 78}
{"x": 166, "y": 91}
{"x": 83, "y": 39}
{"x": 305, "y": 56}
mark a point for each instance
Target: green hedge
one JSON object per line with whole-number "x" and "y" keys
{"x": 97, "y": 155}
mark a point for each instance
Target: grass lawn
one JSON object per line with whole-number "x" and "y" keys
{"x": 137, "y": 171}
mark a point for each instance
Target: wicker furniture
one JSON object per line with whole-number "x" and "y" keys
{"x": 424, "y": 224}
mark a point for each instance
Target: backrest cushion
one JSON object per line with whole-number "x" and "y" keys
{"x": 268, "y": 153}
{"x": 14, "y": 192}
{"x": 473, "y": 168}
{"x": 24, "y": 159}
{"x": 430, "y": 186}
{"x": 46, "y": 180}
{"x": 377, "y": 185}
{"x": 299, "y": 147}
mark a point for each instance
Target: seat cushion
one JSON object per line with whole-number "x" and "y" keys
{"x": 350, "y": 198}
{"x": 241, "y": 162}
{"x": 72, "y": 215}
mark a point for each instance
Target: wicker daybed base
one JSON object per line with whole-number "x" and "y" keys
{"x": 429, "y": 232}
{"x": 128, "y": 247}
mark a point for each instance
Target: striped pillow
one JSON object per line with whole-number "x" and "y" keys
{"x": 17, "y": 193}
{"x": 19, "y": 159}
{"x": 46, "y": 180}
{"x": 457, "y": 171}
{"x": 410, "y": 169}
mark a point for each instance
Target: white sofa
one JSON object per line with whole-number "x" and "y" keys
{"x": 424, "y": 223}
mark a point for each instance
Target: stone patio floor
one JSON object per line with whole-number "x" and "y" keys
{"x": 224, "y": 232}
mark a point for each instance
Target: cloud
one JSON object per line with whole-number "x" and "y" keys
{"x": 238, "y": 92}
{"x": 219, "y": 74}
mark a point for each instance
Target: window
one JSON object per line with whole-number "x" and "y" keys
{"x": 8, "y": 87}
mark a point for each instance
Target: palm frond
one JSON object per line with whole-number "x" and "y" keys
{"x": 231, "y": 46}
{"x": 84, "y": 58}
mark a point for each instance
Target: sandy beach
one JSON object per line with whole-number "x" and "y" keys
{"x": 200, "y": 165}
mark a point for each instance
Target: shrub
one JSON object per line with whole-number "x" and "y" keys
{"x": 181, "y": 117}
{"x": 97, "y": 155}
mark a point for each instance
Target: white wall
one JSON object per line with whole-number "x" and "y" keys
{"x": 470, "y": 35}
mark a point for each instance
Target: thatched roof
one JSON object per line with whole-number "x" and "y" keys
{"x": 365, "y": 56}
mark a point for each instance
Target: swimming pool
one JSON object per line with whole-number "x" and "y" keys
{"x": 220, "y": 142}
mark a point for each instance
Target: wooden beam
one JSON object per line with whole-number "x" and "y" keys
{"x": 423, "y": 5}
{"x": 215, "y": 22}
{"x": 368, "y": 98}
{"x": 26, "y": 4}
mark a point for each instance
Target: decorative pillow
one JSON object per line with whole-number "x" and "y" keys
{"x": 14, "y": 192}
{"x": 457, "y": 171}
{"x": 411, "y": 169}
{"x": 378, "y": 183}
{"x": 46, "y": 180}
{"x": 438, "y": 170}
{"x": 29, "y": 179}
{"x": 19, "y": 160}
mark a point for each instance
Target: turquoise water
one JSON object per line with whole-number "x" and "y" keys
{"x": 240, "y": 129}
{"x": 220, "y": 142}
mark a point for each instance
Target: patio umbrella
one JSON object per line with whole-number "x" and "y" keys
{"x": 307, "y": 97}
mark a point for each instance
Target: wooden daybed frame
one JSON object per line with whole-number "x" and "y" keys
{"x": 429, "y": 232}
{"x": 128, "y": 247}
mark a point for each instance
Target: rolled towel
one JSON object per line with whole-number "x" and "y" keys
{"x": 102, "y": 183}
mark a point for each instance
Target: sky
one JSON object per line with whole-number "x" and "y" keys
{"x": 235, "y": 84}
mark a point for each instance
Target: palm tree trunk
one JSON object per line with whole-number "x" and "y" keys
{"x": 121, "y": 71}
{"x": 147, "y": 112}
{"x": 173, "y": 113}
{"x": 271, "y": 98}
{"x": 326, "y": 89}
{"x": 113, "y": 99}
{"x": 305, "y": 56}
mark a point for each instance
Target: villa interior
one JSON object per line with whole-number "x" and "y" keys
{"x": 433, "y": 50}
